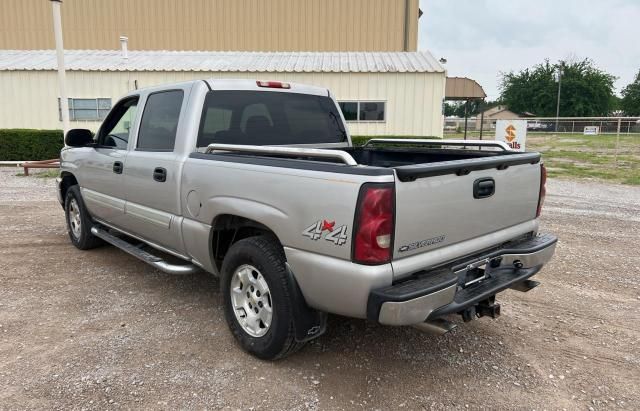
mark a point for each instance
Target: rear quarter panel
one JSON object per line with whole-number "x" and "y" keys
{"x": 286, "y": 200}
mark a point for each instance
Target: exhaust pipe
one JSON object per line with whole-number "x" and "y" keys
{"x": 524, "y": 286}
{"x": 437, "y": 326}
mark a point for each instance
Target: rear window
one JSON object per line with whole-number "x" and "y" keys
{"x": 269, "y": 118}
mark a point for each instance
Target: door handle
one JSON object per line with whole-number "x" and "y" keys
{"x": 160, "y": 174}
{"x": 484, "y": 187}
{"x": 117, "y": 167}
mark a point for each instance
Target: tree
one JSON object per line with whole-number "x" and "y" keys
{"x": 630, "y": 102}
{"x": 586, "y": 90}
{"x": 449, "y": 109}
{"x": 474, "y": 108}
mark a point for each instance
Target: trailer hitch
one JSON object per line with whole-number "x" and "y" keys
{"x": 488, "y": 308}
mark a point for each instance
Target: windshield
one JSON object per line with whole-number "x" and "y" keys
{"x": 269, "y": 118}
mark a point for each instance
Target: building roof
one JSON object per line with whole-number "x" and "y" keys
{"x": 462, "y": 88}
{"x": 493, "y": 111}
{"x": 224, "y": 61}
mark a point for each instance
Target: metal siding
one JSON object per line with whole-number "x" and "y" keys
{"x": 414, "y": 100}
{"x": 412, "y": 30}
{"x": 267, "y": 25}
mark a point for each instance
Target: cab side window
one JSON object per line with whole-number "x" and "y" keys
{"x": 159, "y": 123}
{"x": 116, "y": 129}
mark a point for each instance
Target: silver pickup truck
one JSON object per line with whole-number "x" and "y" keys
{"x": 258, "y": 184}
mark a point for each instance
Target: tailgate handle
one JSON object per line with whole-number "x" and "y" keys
{"x": 484, "y": 187}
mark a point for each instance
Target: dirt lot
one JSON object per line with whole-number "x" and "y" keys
{"x": 101, "y": 330}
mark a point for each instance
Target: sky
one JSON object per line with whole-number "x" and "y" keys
{"x": 481, "y": 38}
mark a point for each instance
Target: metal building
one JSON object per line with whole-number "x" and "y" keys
{"x": 242, "y": 25}
{"x": 381, "y": 93}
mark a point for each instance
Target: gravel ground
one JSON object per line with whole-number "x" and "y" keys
{"x": 101, "y": 330}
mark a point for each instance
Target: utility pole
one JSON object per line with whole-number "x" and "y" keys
{"x": 466, "y": 117}
{"x": 57, "y": 30}
{"x": 559, "y": 90}
{"x": 481, "y": 117}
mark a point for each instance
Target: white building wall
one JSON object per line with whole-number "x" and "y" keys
{"x": 28, "y": 99}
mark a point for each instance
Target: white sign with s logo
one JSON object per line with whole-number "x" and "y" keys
{"x": 512, "y": 132}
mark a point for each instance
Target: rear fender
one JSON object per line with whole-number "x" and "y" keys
{"x": 267, "y": 215}
{"x": 308, "y": 322}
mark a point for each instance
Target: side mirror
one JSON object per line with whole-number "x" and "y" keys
{"x": 78, "y": 137}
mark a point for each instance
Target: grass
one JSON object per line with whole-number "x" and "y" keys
{"x": 52, "y": 173}
{"x": 600, "y": 157}
{"x": 603, "y": 157}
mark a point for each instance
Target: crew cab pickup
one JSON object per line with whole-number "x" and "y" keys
{"x": 258, "y": 183}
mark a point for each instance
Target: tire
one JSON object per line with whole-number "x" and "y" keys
{"x": 79, "y": 222}
{"x": 249, "y": 265}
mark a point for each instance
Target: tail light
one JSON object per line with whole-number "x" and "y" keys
{"x": 543, "y": 189}
{"x": 273, "y": 84}
{"x": 373, "y": 225}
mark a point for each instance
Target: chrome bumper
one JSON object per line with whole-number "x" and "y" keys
{"x": 416, "y": 310}
{"x": 544, "y": 246}
{"x": 431, "y": 294}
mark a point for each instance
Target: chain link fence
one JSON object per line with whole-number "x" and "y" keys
{"x": 594, "y": 147}
{"x": 566, "y": 125}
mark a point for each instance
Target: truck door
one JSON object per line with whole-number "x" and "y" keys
{"x": 101, "y": 173}
{"x": 152, "y": 172}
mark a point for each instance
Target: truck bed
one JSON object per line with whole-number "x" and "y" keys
{"x": 445, "y": 198}
{"x": 408, "y": 162}
{"x": 401, "y": 156}
{"x": 412, "y": 163}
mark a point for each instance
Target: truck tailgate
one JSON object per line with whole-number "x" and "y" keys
{"x": 438, "y": 206}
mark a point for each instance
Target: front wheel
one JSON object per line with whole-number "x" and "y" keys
{"x": 257, "y": 301}
{"x": 78, "y": 221}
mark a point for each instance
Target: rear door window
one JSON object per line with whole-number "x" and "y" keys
{"x": 159, "y": 124}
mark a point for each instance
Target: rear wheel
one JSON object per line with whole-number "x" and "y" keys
{"x": 257, "y": 304}
{"x": 251, "y": 300}
{"x": 78, "y": 221}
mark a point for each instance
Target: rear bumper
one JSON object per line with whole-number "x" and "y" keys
{"x": 431, "y": 294}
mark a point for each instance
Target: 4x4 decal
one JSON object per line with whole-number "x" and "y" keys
{"x": 337, "y": 235}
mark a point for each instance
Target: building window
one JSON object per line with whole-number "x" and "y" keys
{"x": 349, "y": 110}
{"x": 87, "y": 109}
{"x": 363, "y": 110}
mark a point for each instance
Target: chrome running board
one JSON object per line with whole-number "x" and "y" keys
{"x": 148, "y": 258}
